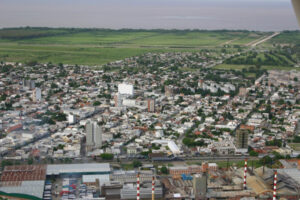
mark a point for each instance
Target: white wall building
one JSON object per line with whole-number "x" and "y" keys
{"x": 125, "y": 89}
{"x": 93, "y": 135}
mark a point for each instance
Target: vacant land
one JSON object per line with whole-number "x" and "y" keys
{"x": 99, "y": 46}
{"x": 239, "y": 164}
{"x": 287, "y": 37}
{"x": 295, "y": 146}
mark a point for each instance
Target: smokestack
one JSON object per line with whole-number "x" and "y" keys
{"x": 296, "y": 4}
{"x": 275, "y": 184}
{"x": 138, "y": 186}
{"x": 245, "y": 175}
{"x": 153, "y": 187}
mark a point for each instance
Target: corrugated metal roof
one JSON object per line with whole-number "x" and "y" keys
{"x": 293, "y": 173}
{"x": 23, "y": 173}
{"x": 34, "y": 188}
{"x": 78, "y": 168}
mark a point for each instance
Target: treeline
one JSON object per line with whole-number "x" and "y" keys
{"x": 32, "y": 33}
{"x": 267, "y": 58}
{"x": 36, "y": 32}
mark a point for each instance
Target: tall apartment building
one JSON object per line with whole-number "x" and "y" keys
{"x": 169, "y": 91}
{"x": 241, "y": 140}
{"x": 93, "y": 135}
{"x": 36, "y": 95}
{"x": 151, "y": 105}
{"x": 29, "y": 84}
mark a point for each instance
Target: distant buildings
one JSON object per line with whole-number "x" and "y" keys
{"x": 93, "y": 135}
{"x": 36, "y": 95}
{"x": 29, "y": 84}
{"x": 169, "y": 91}
{"x": 151, "y": 105}
{"x": 118, "y": 100}
{"x": 242, "y": 92}
{"x": 72, "y": 119}
{"x": 125, "y": 89}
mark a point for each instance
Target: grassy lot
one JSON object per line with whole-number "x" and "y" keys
{"x": 239, "y": 164}
{"x": 99, "y": 46}
{"x": 69, "y": 55}
{"x": 240, "y": 67}
{"x": 295, "y": 146}
{"x": 287, "y": 37}
{"x": 127, "y": 166}
{"x": 223, "y": 164}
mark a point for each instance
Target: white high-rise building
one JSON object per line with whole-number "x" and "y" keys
{"x": 36, "y": 95}
{"x": 93, "y": 135}
{"x": 72, "y": 119}
{"x": 125, "y": 89}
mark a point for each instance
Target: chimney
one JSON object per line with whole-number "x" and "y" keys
{"x": 153, "y": 187}
{"x": 275, "y": 184}
{"x": 245, "y": 175}
{"x": 138, "y": 186}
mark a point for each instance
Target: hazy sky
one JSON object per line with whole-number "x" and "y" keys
{"x": 168, "y": 14}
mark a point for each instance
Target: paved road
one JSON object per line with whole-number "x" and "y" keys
{"x": 264, "y": 39}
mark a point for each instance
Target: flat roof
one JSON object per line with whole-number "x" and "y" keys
{"x": 103, "y": 178}
{"x": 88, "y": 168}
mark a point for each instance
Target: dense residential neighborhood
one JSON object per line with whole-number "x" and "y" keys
{"x": 150, "y": 100}
{"x": 162, "y": 112}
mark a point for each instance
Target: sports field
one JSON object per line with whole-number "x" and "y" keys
{"x": 99, "y": 46}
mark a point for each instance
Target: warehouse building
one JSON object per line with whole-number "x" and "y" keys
{"x": 129, "y": 191}
{"x": 80, "y": 169}
{"x": 24, "y": 180}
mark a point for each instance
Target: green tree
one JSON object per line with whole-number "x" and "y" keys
{"x": 107, "y": 156}
{"x": 30, "y": 161}
{"x": 136, "y": 163}
{"x": 164, "y": 170}
{"x": 96, "y": 103}
{"x": 253, "y": 153}
{"x": 6, "y": 163}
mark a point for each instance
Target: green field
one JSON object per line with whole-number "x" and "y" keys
{"x": 99, "y": 46}
{"x": 295, "y": 146}
{"x": 287, "y": 37}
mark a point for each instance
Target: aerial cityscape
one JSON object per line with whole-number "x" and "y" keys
{"x": 100, "y": 113}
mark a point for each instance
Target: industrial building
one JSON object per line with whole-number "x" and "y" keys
{"x": 129, "y": 191}
{"x": 24, "y": 180}
{"x": 81, "y": 169}
{"x": 200, "y": 185}
{"x": 30, "y": 179}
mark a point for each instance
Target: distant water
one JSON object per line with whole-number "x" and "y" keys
{"x": 264, "y": 15}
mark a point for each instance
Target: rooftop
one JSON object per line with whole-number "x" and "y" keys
{"x": 23, "y": 173}
{"x": 78, "y": 168}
